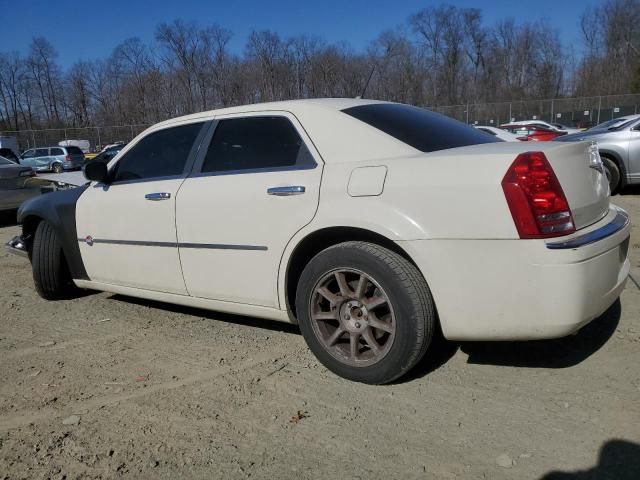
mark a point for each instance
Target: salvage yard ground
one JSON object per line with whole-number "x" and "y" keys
{"x": 109, "y": 386}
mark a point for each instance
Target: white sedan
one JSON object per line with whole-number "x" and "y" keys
{"x": 370, "y": 224}
{"x": 503, "y": 135}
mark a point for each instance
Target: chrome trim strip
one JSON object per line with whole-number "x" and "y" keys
{"x": 144, "y": 243}
{"x": 620, "y": 221}
{"x": 16, "y": 246}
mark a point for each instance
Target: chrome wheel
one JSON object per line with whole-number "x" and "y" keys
{"x": 352, "y": 317}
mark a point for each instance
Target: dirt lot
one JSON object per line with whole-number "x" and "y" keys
{"x": 107, "y": 386}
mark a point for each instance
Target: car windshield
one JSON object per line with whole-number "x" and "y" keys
{"x": 620, "y": 126}
{"x": 423, "y": 130}
{"x": 6, "y": 161}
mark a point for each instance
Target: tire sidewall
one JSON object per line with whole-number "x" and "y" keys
{"x": 614, "y": 174}
{"x": 406, "y": 317}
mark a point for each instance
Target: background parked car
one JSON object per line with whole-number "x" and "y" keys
{"x": 55, "y": 159}
{"x": 503, "y": 135}
{"x": 534, "y": 133}
{"x": 549, "y": 126}
{"x": 107, "y": 154}
{"x": 619, "y": 147}
{"x": 615, "y": 122}
{"x": 14, "y": 188}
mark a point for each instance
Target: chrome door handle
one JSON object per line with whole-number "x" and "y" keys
{"x": 286, "y": 191}
{"x": 155, "y": 197}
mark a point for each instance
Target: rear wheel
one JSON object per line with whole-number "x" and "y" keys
{"x": 50, "y": 272}
{"x": 57, "y": 168}
{"x": 365, "y": 312}
{"x": 613, "y": 174}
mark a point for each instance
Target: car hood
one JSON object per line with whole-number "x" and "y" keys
{"x": 578, "y": 137}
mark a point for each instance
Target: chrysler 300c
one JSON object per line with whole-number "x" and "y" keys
{"x": 369, "y": 224}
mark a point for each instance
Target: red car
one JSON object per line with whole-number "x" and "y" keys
{"x": 536, "y": 133}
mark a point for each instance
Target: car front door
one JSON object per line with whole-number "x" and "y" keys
{"x": 255, "y": 186}
{"x": 126, "y": 228}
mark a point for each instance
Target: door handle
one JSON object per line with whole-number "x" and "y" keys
{"x": 156, "y": 197}
{"x": 286, "y": 191}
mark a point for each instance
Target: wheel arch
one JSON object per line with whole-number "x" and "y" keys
{"x": 617, "y": 159}
{"x": 316, "y": 241}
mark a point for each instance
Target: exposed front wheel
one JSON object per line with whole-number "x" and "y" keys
{"x": 50, "y": 272}
{"x": 365, "y": 312}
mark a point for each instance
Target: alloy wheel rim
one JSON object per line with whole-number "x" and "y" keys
{"x": 352, "y": 317}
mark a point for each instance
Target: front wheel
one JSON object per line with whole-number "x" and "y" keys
{"x": 365, "y": 311}
{"x": 50, "y": 272}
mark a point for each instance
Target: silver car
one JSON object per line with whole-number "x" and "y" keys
{"x": 619, "y": 146}
{"x": 53, "y": 159}
{"x": 14, "y": 184}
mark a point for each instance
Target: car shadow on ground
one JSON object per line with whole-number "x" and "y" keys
{"x": 629, "y": 190}
{"x": 212, "y": 315}
{"x": 8, "y": 218}
{"x": 618, "y": 459}
{"x": 558, "y": 353}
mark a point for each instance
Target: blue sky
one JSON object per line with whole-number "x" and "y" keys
{"x": 88, "y": 29}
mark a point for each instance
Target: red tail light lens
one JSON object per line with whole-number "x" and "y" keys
{"x": 536, "y": 200}
{"x": 67, "y": 158}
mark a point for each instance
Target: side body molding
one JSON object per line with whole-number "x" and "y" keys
{"x": 59, "y": 209}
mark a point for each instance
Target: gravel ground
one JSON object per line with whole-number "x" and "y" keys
{"x": 107, "y": 386}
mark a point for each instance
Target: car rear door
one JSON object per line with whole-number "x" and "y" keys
{"x": 255, "y": 186}
{"x": 126, "y": 228}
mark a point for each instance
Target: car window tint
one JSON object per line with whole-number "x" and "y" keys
{"x": 74, "y": 151}
{"x": 57, "y": 151}
{"x": 423, "y": 130}
{"x": 42, "y": 152}
{"x": 160, "y": 154}
{"x": 256, "y": 143}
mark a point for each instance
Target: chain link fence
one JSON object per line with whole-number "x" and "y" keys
{"x": 98, "y": 137}
{"x": 580, "y": 112}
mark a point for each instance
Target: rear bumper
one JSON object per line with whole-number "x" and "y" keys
{"x": 525, "y": 289}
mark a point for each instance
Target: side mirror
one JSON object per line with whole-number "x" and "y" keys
{"x": 96, "y": 172}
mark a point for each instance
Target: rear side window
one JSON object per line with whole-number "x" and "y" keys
{"x": 74, "y": 151}
{"x": 160, "y": 154}
{"x": 251, "y": 143}
{"x": 57, "y": 151}
{"x": 42, "y": 152}
{"x": 423, "y": 130}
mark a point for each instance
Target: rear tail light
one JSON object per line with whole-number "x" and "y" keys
{"x": 67, "y": 158}
{"x": 536, "y": 200}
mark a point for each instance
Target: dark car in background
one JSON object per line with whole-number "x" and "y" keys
{"x": 14, "y": 184}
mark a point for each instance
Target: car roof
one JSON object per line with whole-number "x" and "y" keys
{"x": 293, "y": 106}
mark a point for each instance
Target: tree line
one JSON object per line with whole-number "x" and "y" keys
{"x": 441, "y": 55}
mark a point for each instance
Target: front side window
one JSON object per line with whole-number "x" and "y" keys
{"x": 29, "y": 154}
{"x": 423, "y": 130}
{"x": 163, "y": 153}
{"x": 57, "y": 151}
{"x": 250, "y": 143}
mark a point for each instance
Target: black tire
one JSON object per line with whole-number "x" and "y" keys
{"x": 50, "y": 272}
{"x": 57, "y": 168}
{"x": 613, "y": 174}
{"x": 409, "y": 297}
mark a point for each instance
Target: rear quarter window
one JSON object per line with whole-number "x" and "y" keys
{"x": 423, "y": 130}
{"x": 74, "y": 151}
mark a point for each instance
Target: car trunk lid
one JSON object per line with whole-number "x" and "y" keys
{"x": 582, "y": 176}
